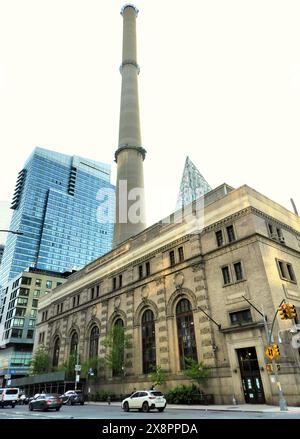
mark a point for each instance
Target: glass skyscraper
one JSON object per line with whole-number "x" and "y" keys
{"x": 55, "y": 205}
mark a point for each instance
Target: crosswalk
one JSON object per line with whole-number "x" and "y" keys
{"x": 13, "y": 414}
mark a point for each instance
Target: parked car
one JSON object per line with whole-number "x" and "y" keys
{"x": 145, "y": 400}
{"x": 72, "y": 397}
{"x": 45, "y": 401}
{"x": 9, "y": 396}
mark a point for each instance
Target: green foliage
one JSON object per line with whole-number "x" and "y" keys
{"x": 40, "y": 362}
{"x": 94, "y": 363}
{"x": 188, "y": 395}
{"x": 157, "y": 376}
{"x": 116, "y": 342}
{"x": 196, "y": 371}
{"x": 69, "y": 366}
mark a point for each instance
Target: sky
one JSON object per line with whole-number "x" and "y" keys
{"x": 219, "y": 82}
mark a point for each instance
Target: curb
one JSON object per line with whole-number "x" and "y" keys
{"x": 175, "y": 407}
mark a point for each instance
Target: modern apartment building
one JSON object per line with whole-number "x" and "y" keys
{"x": 18, "y": 314}
{"x": 56, "y": 206}
{"x": 2, "y": 247}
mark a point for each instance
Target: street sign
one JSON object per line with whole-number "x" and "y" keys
{"x": 7, "y": 376}
{"x": 272, "y": 351}
{"x": 77, "y": 368}
{"x": 77, "y": 378}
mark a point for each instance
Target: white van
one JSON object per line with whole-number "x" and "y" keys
{"x": 9, "y": 396}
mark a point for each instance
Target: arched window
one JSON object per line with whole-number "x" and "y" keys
{"x": 148, "y": 341}
{"x": 74, "y": 343}
{"x": 94, "y": 340}
{"x": 118, "y": 347}
{"x": 186, "y": 331}
{"x": 56, "y": 352}
{"x": 119, "y": 322}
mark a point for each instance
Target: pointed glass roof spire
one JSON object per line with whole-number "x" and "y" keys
{"x": 193, "y": 185}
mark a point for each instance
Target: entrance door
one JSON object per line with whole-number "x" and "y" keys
{"x": 250, "y": 374}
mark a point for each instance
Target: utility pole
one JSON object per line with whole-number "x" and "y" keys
{"x": 270, "y": 338}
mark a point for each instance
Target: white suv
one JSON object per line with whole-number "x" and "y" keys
{"x": 9, "y": 396}
{"x": 145, "y": 400}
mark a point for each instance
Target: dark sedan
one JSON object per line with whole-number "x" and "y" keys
{"x": 72, "y": 397}
{"x": 45, "y": 402}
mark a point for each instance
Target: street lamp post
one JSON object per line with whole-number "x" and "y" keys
{"x": 77, "y": 369}
{"x": 14, "y": 232}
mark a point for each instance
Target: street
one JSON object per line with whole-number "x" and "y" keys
{"x": 94, "y": 411}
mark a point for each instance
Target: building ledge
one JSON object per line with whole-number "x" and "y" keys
{"x": 242, "y": 327}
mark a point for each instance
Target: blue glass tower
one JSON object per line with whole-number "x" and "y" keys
{"x": 56, "y": 204}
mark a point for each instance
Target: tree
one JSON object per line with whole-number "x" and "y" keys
{"x": 196, "y": 371}
{"x": 69, "y": 366}
{"x": 40, "y": 362}
{"x": 157, "y": 376}
{"x": 116, "y": 342}
{"x": 92, "y": 363}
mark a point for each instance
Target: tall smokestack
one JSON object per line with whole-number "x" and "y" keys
{"x": 130, "y": 203}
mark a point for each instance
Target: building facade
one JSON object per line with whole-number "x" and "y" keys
{"x": 56, "y": 207}
{"x": 18, "y": 315}
{"x": 1, "y": 252}
{"x": 179, "y": 291}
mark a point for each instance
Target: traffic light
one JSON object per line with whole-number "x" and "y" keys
{"x": 283, "y": 311}
{"x": 276, "y": 350}
{"x": 278, "y": 366}
{"x": 291, "y": 310}
{"x": 269, "y": 367}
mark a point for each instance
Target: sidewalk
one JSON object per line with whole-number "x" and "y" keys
{"x": 257, "y": 408}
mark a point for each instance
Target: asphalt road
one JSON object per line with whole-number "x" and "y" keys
{"x": 91, "y": 411}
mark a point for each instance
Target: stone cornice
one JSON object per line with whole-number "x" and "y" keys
{"x": 248, "y": 211}
{"x": 250, "y": 239}
{"x": 227, "y": 219}
{"x": 274, "y": 220}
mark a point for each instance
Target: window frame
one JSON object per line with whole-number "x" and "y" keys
{"x": 148, "y": 336}
{"x": 230, "y": 275}
{"x": 240, "y": 322}
{"x": 222, "y": 236}
{"x": 242, "y": 271}
{"x": 286, "y": 271}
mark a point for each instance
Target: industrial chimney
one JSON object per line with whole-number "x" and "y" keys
{"x": 130, "y": 203}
